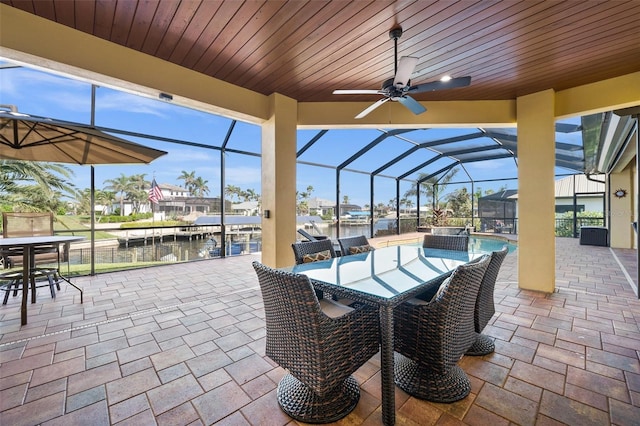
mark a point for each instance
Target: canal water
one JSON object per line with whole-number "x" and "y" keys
{"x": 171, "y": 249}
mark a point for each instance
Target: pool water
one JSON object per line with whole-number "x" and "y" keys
{"x": 487, "y": 244}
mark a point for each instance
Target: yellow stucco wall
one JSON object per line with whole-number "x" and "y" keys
{"x": 279, "y": 182}
{"x": 536, "y": 196}
{"x": 622, "y": 209}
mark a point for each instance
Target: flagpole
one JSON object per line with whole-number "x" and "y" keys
{"x": 153, "y": 222}
{"x": 155, "y": 195}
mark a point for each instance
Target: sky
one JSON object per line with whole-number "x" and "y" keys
{"x": 47, "y": 95}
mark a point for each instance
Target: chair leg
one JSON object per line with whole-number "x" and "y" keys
{"x": 33, "y": 288}
{"x": 7, "y": 290}
{"x": 483, "y": 345}
{"x": 56, "y": 275}
{"x": 425, "y": 383}
{"x": 15, "y": 287}
{"x": 13, "y": 283}
{"x": 300, "y": 402}
{"x": 52, "y": 288}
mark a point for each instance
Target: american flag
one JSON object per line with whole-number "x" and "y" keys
{"x": 155, "y": 194}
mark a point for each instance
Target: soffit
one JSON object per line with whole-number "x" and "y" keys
{"x": 305, "y": 50}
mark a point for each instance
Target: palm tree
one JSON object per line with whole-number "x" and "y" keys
{"x": 408, "y": 203}
{"x": 105, "y": 199}
{"x": 82, "y": 202}
{"x": 232, "y": 191}
{"x": 137, "y": 193}
{"x": 50, "y": 179}
{"x": 433, "y": 187}
{"x": 303, "y": 200}
{"x": 36, "y": 198}
{"x": 253, "y": 195}
{"x": 122, "y": 185}
{"x": 200, "y": 187}
{"x": 189, "y": 180}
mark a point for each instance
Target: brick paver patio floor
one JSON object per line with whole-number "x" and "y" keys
{"x": 184, "y": 344}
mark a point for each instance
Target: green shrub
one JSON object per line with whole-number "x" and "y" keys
{"x": 564, "y": 222}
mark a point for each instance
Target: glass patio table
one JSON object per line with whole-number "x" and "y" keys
{"x": 385, "y": 277}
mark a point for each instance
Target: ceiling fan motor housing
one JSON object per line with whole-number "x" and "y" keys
{"x": 395, "y": 33}
{"x": 390, "y": 90}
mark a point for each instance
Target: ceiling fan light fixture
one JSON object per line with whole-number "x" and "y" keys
{"x": 399, "y": 87}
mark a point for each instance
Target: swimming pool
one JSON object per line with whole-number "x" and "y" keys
{"x": 486, "y": 244}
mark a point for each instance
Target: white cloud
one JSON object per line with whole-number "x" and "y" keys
{"x": 120, "y": 101}
{"x": 244, "y": 176}
{"x": 43, "y": 94}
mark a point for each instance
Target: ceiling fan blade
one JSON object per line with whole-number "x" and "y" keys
{"x": 372, "y": 107}
{"x": 440, "y": 85}
{"x": 356, "y": 92}
{"x": 413, "y": 105}
{"x": 406, "y": 66}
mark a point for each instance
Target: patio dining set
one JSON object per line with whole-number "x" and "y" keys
{"x": 423, "y": 308}
{"x": 26, "y": 237}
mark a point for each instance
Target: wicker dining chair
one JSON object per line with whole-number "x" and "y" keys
{"x": 312, "y": 251}
{"x": 306, "y": 251}
{"x": 485, "y": 307}
{"x": 446, "y": 242}
{"x": 354, "y": 245}
{"x": 320, "y": 343}
{"x": 431, "y": 337}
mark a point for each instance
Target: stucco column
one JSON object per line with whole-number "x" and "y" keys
{"x": 621, "y": 234}
{"x": 279, "y": 182}
{"x": 536, "y": 197}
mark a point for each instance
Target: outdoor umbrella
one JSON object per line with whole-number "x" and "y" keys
{"x": 30, "y": 138}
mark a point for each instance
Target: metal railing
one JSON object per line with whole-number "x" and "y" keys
{"x": 146, "y": 246}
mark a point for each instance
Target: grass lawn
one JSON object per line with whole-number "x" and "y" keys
{"x": 65, "y": 223}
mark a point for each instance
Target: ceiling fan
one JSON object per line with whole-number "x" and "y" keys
{"x": 399, "y": 87}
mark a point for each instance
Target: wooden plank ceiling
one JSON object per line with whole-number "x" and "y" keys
{"x": 306, "y": 49}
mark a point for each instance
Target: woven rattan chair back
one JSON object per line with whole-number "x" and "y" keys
{"x": 485, "y": 306}
{"x": 300, "y": 249}
{"x": 347, "y": 242}
{"x": 446, "y": 242}
{"x": 432, "y": 337}
{"x": 320, "y": 353}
